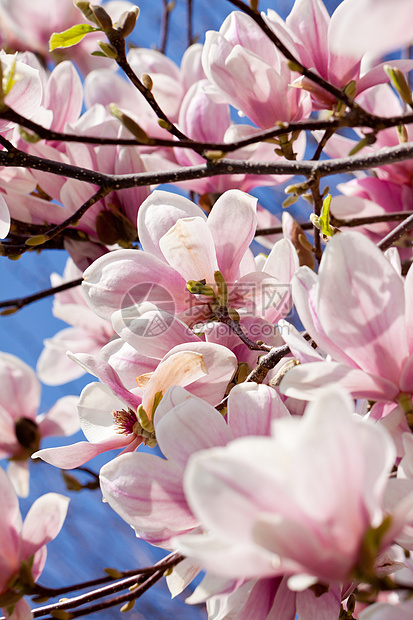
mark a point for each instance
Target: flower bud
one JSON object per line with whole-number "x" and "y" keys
{"x": 102, "y": 19}
{"x": 127, "y": 21}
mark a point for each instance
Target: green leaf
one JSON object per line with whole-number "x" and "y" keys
{"x": 323, "y": 221}
{"x": 70, "y": 37}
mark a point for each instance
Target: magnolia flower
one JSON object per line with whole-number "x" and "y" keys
{"x": 21, "y": 431}
{"x": 155, "y": 505}
{"x": 114, "y": 416}
{"x": 251, "y": 74}
{"x": 183, "y": 249}
{"x": 23, "y": 545}
{"x": 358, "y": 311}
{"x": 298, "y": 503}
{"x": 20, "y": 87}
{"x": 333, "y": 47}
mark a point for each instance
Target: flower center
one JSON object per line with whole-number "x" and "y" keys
{"x": 127, "y": 423}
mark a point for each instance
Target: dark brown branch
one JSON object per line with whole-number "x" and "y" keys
{"x": 223, "y": 316}
{"x": 119, "y": 43}
{"x": 332, "y": 124}
{"x": 20, "y": 302}
{"x": 339, "y": 223}
{"x": 16, "y": 250}
{"x": 137, "y": 577}
{"x": 164, "y": 26}
{"x": 396, "y": 233}
{"x": 324, "y": 168}
{"x": 267, "y": 363}
{"x": 317, "y": 205}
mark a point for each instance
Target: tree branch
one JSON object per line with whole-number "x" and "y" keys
{"x": 20, "y": 302}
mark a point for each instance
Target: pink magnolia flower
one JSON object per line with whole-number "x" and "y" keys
{"x": 271, "y": 506}
{"x": 88, "y": 334}
{"x": 376, "y": 26}
{"x": 312, "y": 35}
{"x": 21, "y": 87}
{"x": 115, "y": 415}
{"x": 180, "y": 244}
{"x": 358, "y": 311}
{"x": 23, "y": 547}
{"x": 250, "y": 73}
{"x": 184, "y": 424}
{"x": 20, "y": 429}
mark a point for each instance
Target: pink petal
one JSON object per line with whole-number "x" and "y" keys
{"x": 146, "y": 491}
{"x": 305, "y": 380}
{"x": 154, "y": 332}
{"x": 358, "y": 285}
{"x": 10, "y": 524}
{"x": 64, "y": 95}
{"x": 98, "y": 367}
{"x": 4, "y": 218}
{"x": 190, "y": 426}
{"x": 251, "y": 409}
{"x": 189, "y": 248}
{"x": 43, "y": 522}
{"x": 69, "y": 457}
{"x": 160, "y": 211}
{"x": 19, "y": 387}
{"x": 125, "y": 277}
{"x": 374, "y": 26}
{"x": 61, "y": 419}
{"x": 220, "y": 364}
{"x": 18, "y": 472}
{"x": 232, "y": 218}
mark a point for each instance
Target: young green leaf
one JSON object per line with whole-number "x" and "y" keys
{"x": 70, "y": 37}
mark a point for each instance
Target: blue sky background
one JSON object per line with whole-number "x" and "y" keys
{"x": 94, "y": 536}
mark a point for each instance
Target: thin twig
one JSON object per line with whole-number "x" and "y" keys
{"x": 267, "y": 363}
{"x": 16, "y": 250}
{"x": 164, "y": 26}
{"x": 76, "y": 601}
{"x": 119, "y": 43}
{"x": 189, "y": 22}
{"x": 396, "y": 233}
{"x": 340, "y": 223}
{"x": 317, "y": 205}
{"x": 20, "y": 302}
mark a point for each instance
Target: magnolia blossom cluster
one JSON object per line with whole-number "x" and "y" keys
{"x": 275, "y": 390}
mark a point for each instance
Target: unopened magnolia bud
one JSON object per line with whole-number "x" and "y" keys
{"x": 147, "y": 81}
{"x": 108, "y": 49}
{"x": 84, "y": 6}
{"x": 164, "y": 124}
{"x": 131, "y": 125}
{"x": 128, "y": 606}
{"x": 351, "y": 89}
{"x": 402, "y": 134}
{"x": 400, "y": 83}
{"x": 214, "y": 155}
{"x": 289, "y": 201}
{"x": 102, "y": 18}
{"x": 127, "y": 21}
